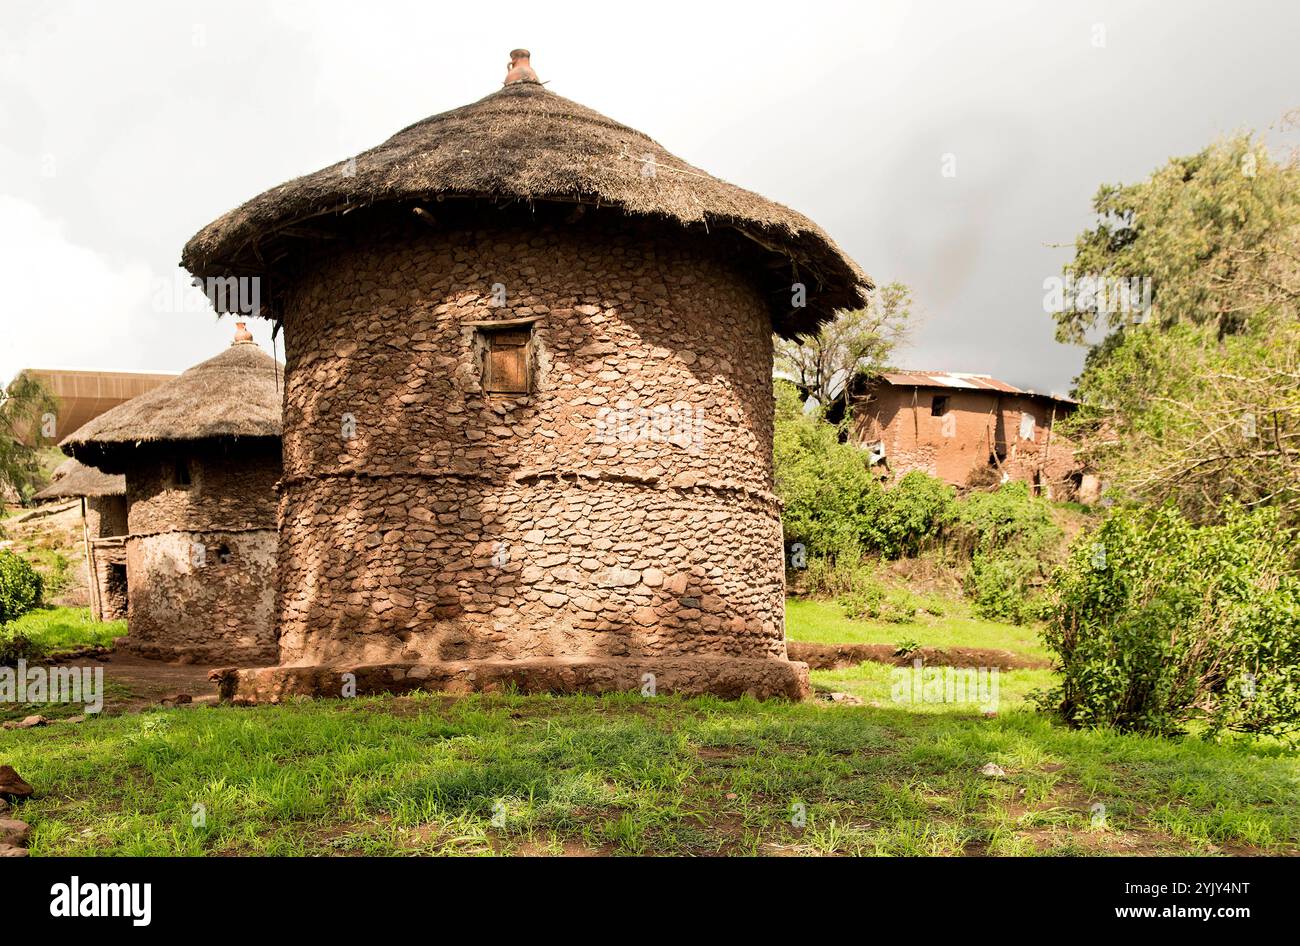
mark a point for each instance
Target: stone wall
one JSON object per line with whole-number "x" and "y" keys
{"x": 201, "y": 559}
{"x": 105, "y": 516}
{"x": 622, "y": 509}
{"x": 106, "y": 519}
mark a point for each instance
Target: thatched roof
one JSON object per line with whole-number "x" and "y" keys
{"x": 73, "y": 478}
{"x": 526, "y": 143}
{"x": 234, "y": 395}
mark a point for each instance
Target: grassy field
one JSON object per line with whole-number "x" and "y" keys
{"x": 823, "y": 622}
{"x": 621, "y": 774}
{"x": 57, "y": 629}
{"x": 491, "y": 774}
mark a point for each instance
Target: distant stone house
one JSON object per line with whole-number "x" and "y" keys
{"x": 965, "y": 429}
{"x": 103, "y": 519}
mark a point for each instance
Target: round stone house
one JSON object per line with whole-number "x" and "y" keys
{"x": 528, "y": 407}
{"x": 201, "y": 457}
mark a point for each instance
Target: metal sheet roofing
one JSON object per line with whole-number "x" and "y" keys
{"x": 960, "y": 380}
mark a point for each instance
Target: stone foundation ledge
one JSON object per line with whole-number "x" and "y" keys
{"x": 728, "y": 677}
{"x": 250, "y": 656}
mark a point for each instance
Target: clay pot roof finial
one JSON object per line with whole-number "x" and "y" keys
{"x": 242, "y": 334}
{"x": 519, "y": 69}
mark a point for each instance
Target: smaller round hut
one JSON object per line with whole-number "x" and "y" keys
{"x": 103, "y": 531}
{"x": 200, "y": 456}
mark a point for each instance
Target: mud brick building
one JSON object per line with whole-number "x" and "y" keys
{"x": 965, "y": 428}
{"x": 200, "y": 456}
{"x": 103, "y": 529}
{"x": 528, "y": 407}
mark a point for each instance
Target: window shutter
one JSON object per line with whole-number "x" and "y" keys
{"x": 507, "y": 362}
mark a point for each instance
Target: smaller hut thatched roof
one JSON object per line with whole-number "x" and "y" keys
{"x": 234, "y": 395}
{"x": 73, "y": 479}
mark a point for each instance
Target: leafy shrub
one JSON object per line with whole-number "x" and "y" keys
{"x": 831, "y": 496}
{"x": 865, "y": 603}
{"x": 871, "y": 602}
{"x": 1010, "y": 517}
{"x": 900, "y": 607}
{"x": 906, "y": 647}
{"x": 1158, "y": 623}
{"x": 916, "y": 508}
{"x": 20, "y": 586}
{"x": 16, "y": 646}
{"x": 1000, "y": 587}
{"x": 933, "y": 605}
{"x": 834, "y": 576}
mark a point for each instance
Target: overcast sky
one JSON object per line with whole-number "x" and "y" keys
{"x": 127, "y": 126}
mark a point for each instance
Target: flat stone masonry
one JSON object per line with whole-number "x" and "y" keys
{"x": 620, "y": 515}
{"x": 682, "y": 676}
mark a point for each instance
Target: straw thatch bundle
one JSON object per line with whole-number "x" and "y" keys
{"x": 528, "y": 144}
{"x": 234, "y": 395}
{"x": 73, "y": 479}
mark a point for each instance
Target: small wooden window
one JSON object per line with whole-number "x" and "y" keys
{"x": 507, "y": 360}
{"x": 181, "y": 473}
{"x": 939, "y": 406}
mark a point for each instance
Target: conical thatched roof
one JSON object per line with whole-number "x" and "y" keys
{"x": 73, "y": 478}
{"x": 234, "y": 395}
{"x": 526, "y": 143}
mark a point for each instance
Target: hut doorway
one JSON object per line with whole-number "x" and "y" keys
{"x": 114, "y": 604}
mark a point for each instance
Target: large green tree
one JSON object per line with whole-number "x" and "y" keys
{"x": 854, "y": 342}
{"x": 1192, "y": 392}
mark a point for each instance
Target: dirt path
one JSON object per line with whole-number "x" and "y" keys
{"x": 835, "y": 656}
{"x": 132, "y": 683}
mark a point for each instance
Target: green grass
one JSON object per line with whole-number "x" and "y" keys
{"x": 620, "y": 774}
{"x": 57, "y": 629}
{"x": 824, "y": 622}
{"x": 876, "y": 683}
{"x": 504, "y": 774}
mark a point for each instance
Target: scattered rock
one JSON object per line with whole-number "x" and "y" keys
{"x": 14, "y": 832}
{"x": 26, "y": 723}
{"x": 8, "y": 850}
{"x": 992, "y": 770}
{"x": 4, "y": 806}
{"x": 732, "y": 796}
{"x": 12, "y": 784}
{"x": 176, "y": 699}
{"x": 848, "y": 699}
{"x": 75, "y": 719}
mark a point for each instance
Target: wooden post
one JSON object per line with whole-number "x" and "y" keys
{"x": 92, "y": 573}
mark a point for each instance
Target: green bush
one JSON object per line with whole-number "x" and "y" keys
{"x": 830, "y": 495}
{"x": 20, "y": 586}
{"x": 15, "y": 646}
{"x": 1008, "y": 518}
{"x": 832, "y": 577}
{"x": 1158, "y": 623}
{"x": 871, "y": 602}
{"x": 914, "y": 510}
{"x": 1000, "y": 587}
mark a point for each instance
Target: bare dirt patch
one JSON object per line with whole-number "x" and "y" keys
{"x": 133, "y": 683}
{"x": 836, "y": 656}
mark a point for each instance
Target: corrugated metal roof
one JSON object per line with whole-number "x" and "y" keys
{"x": 960, "y": 380}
